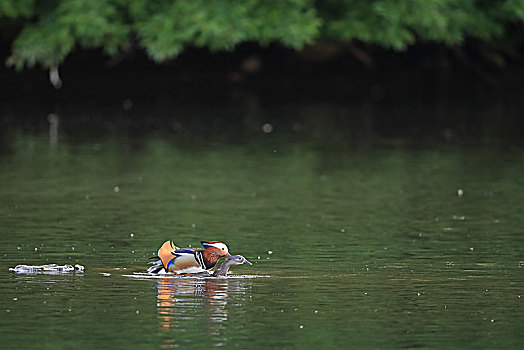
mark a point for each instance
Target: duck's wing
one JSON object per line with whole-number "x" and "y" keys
{"x": 167, "y": 252}
{"x": 157, "y": 268}
{"x": 187, "y": 250}
{"x": 186, "y": 261}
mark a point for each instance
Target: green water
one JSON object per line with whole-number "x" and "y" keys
{"x": 371, "y": 245}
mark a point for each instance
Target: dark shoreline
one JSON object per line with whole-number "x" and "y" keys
{"x": 403, "y": 94}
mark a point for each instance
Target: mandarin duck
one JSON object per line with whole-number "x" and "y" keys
{"x": 230, "y": 261}
{"x": 188, "y": 260}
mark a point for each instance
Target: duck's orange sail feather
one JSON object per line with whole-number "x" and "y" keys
{"x": 166, "y": 252}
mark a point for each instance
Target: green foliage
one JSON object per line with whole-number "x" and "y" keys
{"x": 50, "y": 30}
{"x": 399, "y": 23}
{"x": 223, "y": 24}
{"x": 88, "y": 23}
{"x": 16, "y": 8}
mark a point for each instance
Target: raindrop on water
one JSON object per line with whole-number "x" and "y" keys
{"x": 127, "y": 104}
{"x": 267, "y": 128}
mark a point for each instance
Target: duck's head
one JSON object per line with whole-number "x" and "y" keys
{"x": 216, "y": 244}
{"x": 237, "y": 260}
{"x": 230, "y": 261}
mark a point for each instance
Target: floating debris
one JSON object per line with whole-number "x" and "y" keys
{"x": 460, "y": 192}
{"x": 270, "y": 252}
{"x": 49, "y": 268}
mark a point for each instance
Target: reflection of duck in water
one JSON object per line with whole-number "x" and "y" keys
{"x": 186, "y": 300}
{"x": 182, "y": 298}
{"x": 188, "y": 260}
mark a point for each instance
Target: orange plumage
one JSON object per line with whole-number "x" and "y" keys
{"x": 167, "y": 252}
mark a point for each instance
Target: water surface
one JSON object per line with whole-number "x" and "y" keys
{"x": 367, "y": 243}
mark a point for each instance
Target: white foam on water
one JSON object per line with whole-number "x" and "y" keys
{"x": 142, "y": 275}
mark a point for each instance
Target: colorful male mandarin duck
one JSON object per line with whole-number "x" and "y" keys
{"x": 188, "y": 260}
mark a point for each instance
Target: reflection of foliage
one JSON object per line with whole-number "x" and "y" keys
{"x": 52, "y": 29}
